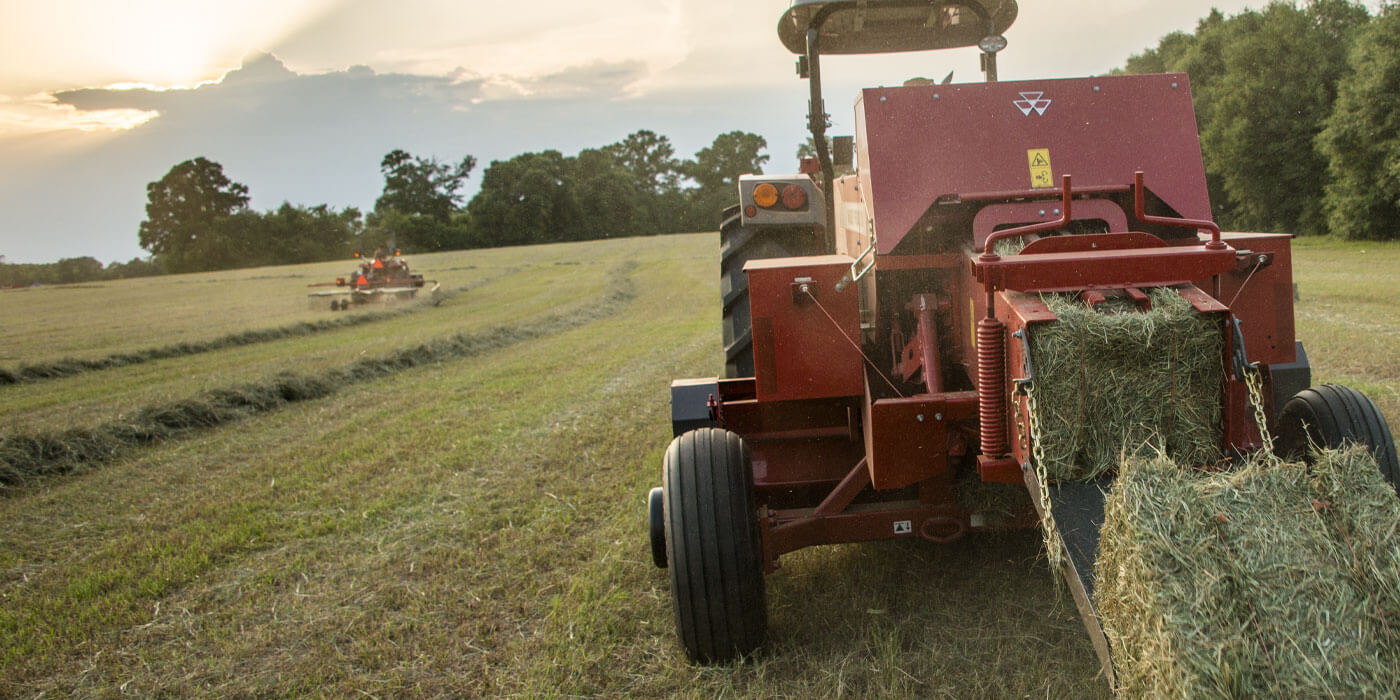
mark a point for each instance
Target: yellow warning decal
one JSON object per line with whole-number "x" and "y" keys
{"x": 1041, "y": 174}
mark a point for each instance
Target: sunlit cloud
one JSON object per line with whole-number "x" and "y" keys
{"x": 44, "y": 113}
{"x": 61, "y": 43}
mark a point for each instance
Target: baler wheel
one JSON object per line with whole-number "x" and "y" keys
{"x": 656, "y": 515}
{"x": 1333, "y": 414}
{"x": 712, "y": 540}
{"x": 335, "y": 304}
{"x": 739, "y": 244}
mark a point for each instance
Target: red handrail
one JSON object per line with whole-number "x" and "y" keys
{"x": 1138, "y": 209}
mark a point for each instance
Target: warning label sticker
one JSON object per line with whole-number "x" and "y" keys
{"x": 1041, "y": 173}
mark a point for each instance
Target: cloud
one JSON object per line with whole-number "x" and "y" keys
{"x": 318, "y": 138}
{"x": 264, "y": 82}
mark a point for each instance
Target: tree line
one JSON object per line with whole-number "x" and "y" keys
{"x": 71, "y": 270}
{"x": 1299, "y": 115}
{"x": 198, "y": 219}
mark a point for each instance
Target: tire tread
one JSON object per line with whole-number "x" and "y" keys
{"x": 1331, "y": 415}
{"x": 715, "y": 563}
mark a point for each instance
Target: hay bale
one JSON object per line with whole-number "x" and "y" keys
{"x": 1111, "y": 380}
{"x": 1270, "y": 581}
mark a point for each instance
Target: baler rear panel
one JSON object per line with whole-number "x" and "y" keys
{"x": 921, "y": 143}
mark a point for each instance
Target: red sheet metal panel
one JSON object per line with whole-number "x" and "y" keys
{"x": 1260, "y": 293}
{"x": 919, "y": 143}
{"x": 805, "y": 343}
{"x": 906, "y": 438}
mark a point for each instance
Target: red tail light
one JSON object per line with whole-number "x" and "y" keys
{"x": 794, "y": 197}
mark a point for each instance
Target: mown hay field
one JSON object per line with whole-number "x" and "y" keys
{"x": 471, "y": 523}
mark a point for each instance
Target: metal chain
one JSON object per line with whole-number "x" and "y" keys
{"x": 1254, "y": 380}
{"x": 1053, "y": 546}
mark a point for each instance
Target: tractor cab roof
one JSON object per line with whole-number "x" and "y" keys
{"x": 884, "y": 26}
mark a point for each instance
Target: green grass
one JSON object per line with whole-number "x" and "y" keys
{"x": 91, "y": 397}
{"x": 475, "y": 527}
{"x": 1348, "y": 316}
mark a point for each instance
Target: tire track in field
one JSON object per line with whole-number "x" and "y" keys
{"x": 25, "y": 458}
{"x": 70, "y": 366}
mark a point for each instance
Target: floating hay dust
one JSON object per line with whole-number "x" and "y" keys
{"x": 1111, "y": 381}
{"x": 1275, "y": 580}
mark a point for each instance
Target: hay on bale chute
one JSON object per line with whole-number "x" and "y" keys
{"x": 959, "y": 313}
{"x": 1272, "y": 579}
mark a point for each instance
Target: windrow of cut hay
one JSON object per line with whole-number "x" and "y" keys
{"x": 69, "y": 366}
{"x": 1273, "y": 580}
{"x": 1111, "y": 378}
{"x": 25, "y": 457}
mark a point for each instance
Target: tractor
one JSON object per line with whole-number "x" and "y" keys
{"x": 381, "y": 278}
{"x": 875, "y": 324}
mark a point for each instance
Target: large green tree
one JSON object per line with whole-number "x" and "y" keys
{"x": 424, "y": 186}
{"x": 185, "y": 216}
{"x": 421, "y": 206}
{"x": 295, "y": 234}
{"x": 716, "y": 170}
{"x": 1361, "y": 140}
{"x": 527, "y": 199}
{"x": 1281, "y": 70}
{"x": 648, "y": 162}
{"x": 1264, "y": 83}
{"x": 612, "y": 199}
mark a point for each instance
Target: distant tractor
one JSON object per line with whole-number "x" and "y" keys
{"x": 379, "y": 278}
{"x": 875, "y": 332}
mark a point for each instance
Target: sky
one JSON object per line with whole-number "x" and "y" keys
{"x": 300, "y": 99}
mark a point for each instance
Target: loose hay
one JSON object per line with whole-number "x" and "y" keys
{"x": 1270, "y": 581}
{"x": 1112, "y": 380}
{"x": 67, "y": 367}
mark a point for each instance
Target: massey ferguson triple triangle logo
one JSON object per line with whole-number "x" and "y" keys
{"x": 1032, "y": 102}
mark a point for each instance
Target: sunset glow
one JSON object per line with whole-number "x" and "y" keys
{"x": 45, "y": 114}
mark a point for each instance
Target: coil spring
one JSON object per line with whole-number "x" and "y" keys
{"x": 991, "y": 386}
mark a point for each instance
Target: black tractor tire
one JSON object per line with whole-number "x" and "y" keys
{"x": 739, "y": 244}
{"x": 1329, "y": 416}
{"x": 713, "y": 543}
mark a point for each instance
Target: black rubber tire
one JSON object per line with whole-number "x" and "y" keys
{"x": 656, "y": 515}
{"x": 739, "y": 244}
{"x": 712, "y": 539}
{"x": 1330, "y": 415}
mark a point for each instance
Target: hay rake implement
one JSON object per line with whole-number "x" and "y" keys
{"x": 378, "y": 279}
{"x": 890, "y": 333}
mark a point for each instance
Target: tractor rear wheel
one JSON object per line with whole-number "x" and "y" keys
{"x": 739, "y": 244}
{"x": 1330, "y": 415}
{"x": 713, "y": 547}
